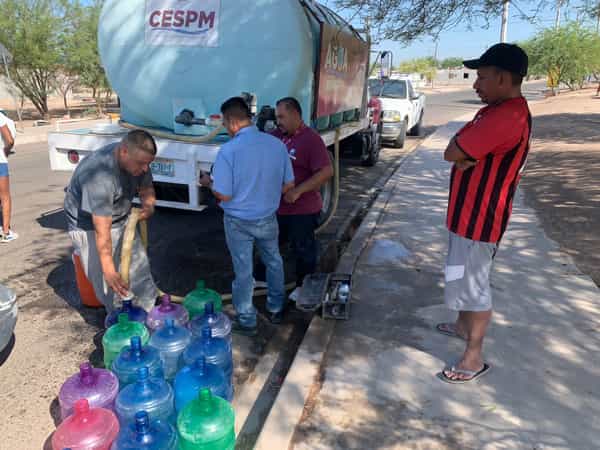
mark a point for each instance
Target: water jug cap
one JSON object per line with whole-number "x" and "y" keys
{"x": 81, "y": 406}
{"x": 128, "y": 298}
{"x": 200, "y": 284}
{"x": 169, "y": 323}
{"x": 142, "y": 422}
{"x": 86, "y": 373}
{"x": 165, "y": 303}
{"x": 136, "y": 344}
{"x": 122, "y": 319}
{"x": 143, "y": 373}
{"x": 127, "y": 304}
{"x": 200, "y": 364}
{"x": 206, "y": 332}
{"x": 209, "y": 308}
{"x": 205, "y": 398}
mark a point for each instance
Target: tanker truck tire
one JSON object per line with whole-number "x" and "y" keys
{"x": 374, "y": 148}
{"x": 327, "y": 195}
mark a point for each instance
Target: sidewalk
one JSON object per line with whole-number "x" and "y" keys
{"x": 378, "y": 385}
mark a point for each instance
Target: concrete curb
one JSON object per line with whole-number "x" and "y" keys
{"x": 278, "y": 430}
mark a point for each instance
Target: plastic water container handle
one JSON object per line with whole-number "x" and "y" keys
{"x": 142, "y": 422}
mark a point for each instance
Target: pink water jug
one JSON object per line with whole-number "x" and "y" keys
{"x": 87, "y": 429}
{"x": 166, "y": 310}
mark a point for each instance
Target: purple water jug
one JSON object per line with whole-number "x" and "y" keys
{"x": 98, "y": 386}
{"x": 166, "y": 310}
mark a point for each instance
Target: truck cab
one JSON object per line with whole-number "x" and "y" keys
{"x": 402, "y": 108}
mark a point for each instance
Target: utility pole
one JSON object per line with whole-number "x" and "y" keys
{"x": 503, "y": 32}
{"x": 557, "y": 19}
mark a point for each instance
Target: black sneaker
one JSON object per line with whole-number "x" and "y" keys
{"x": 240, "y": 329}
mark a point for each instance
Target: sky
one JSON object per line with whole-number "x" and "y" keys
{"x": 463, "y": 43}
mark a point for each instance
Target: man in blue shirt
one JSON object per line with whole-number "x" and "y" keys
{"x": 250, "y": 174}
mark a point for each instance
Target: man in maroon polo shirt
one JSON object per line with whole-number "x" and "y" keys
{"x": 298, "y": 213}
{"x": 488, "y": 154}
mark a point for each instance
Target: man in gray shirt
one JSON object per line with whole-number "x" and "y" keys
{"x": 97, "y": 204}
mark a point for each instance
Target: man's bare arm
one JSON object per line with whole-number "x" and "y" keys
{"x": 454, "y": 154}
{"x": 102, "y": 227}
{"x": 148, "y": 201}
{"x": 312, "y": 184}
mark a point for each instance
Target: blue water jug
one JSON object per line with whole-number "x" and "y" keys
{"x": 191, "y": 379}
{"x": 153, "y": 395}
{"x": 133, "y": 357}
{"x": 215, "y": 350}
{"x": 135, "y": 313}
{"x": 217, "y": 321}
{"x": 146, "y": 435}
{"x": 171, "y": 340}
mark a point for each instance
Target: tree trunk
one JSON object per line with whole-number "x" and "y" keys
{"x": 66, "y": 102}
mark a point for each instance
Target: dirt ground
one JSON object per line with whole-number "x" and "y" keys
{"x": 561, "y": 180}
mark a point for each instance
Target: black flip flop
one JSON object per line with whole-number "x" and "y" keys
{"x": 474, "y": 375}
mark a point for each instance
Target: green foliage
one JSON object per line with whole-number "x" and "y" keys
{"x": 567, "y": 55}
{"x": 54, "y": 45}
{"x": 407, "y": 20}
{"x": 30, "y": 30}
{"x": 451, "y": 63}
{"x": 426, "y": 67}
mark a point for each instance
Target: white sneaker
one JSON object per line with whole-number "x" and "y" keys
{"x": 11, "y": 236}
{"x": 295, "y": 295}
{"x": 260, "y": 284}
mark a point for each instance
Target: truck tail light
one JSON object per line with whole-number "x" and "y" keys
{"x": 73, "y": 156}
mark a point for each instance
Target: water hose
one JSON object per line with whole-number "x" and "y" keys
{"x": 336, "y": 180}
{"x": 175, "y": 137}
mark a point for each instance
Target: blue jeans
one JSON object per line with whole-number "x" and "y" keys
{"x": 241, "y": 235}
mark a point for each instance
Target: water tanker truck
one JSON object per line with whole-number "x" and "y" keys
{"x": 173, "y": 63}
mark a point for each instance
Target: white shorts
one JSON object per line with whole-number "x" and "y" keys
{"x": 468, "y": 268}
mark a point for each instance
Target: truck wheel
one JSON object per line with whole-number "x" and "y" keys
{"x": 374, "y": 148}
{"x": 327, "y": 194}
{"x": 399, "y": 142}
{"x": 418, "y": 128}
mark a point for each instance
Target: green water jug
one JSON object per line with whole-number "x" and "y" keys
{"x": 118, "y": 336}
{"x": 196, "y": 300}
{"x": 206, "y": 423}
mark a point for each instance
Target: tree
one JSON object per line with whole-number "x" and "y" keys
{"x": 407, "y": 20}
{"x": 30, "y": 31}
{"x": 426, "y": 67}
{"x": 64, "y": 84}
{"x": 81, "y": 51}
{"x": 568, "y": 54}
{"x": 451, "y": 63}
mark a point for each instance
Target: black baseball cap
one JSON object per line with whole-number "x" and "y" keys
{"x": 509, "y": 57}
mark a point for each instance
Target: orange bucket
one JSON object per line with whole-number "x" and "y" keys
{"x": 86, "y": 290}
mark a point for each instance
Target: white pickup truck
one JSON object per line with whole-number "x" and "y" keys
{"x": 402, "y": 109}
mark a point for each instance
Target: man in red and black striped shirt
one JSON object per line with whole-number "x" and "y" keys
{"x": 488, "y": 154}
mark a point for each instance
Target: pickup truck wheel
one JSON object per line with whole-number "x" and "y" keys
{"x": 374, "y": 148}
{"x": 418, "y": 128}
{"x": 399, "y": 142}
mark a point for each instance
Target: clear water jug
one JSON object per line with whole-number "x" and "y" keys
{"x": 153, "y": 395}
{"x": 218, "y": 322}
{"x": 132, "y": 358}
{"x": 170, "y": 341}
